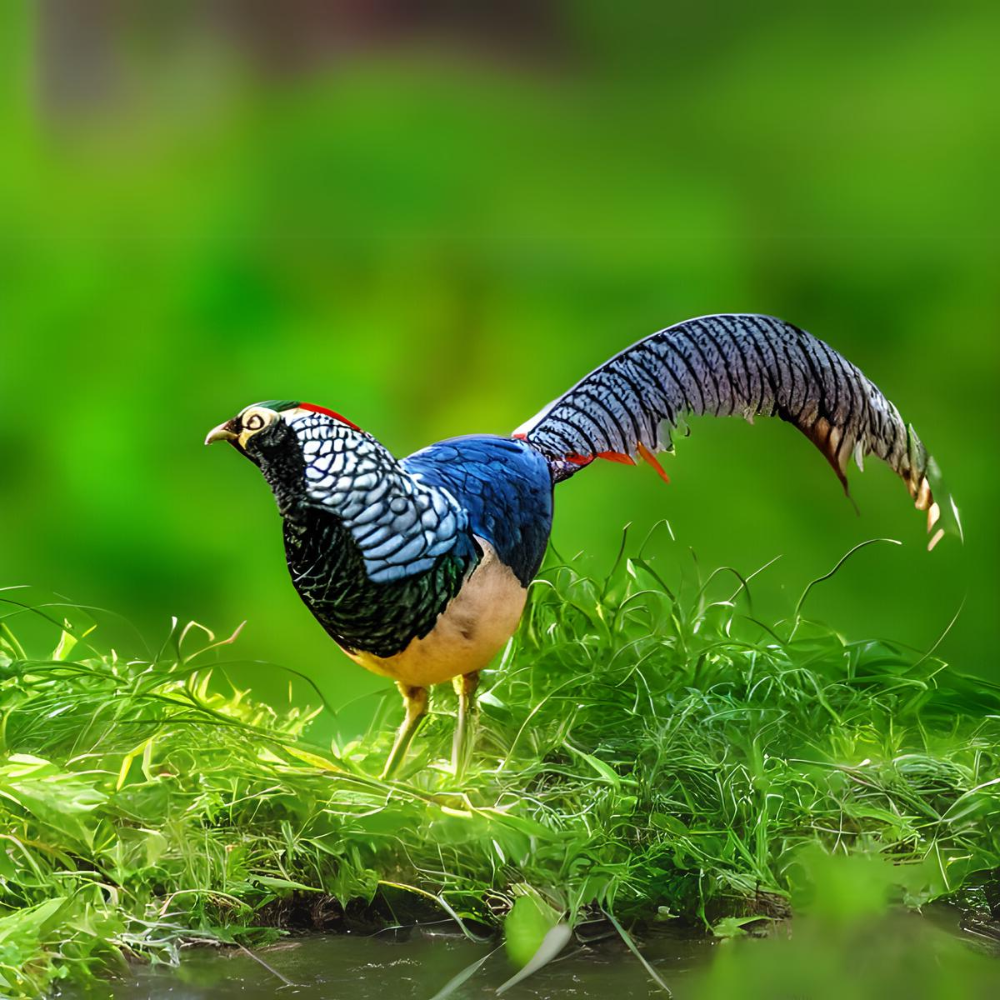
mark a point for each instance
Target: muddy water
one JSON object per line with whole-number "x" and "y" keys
{"x": 899, "y": 954}
{"x": 332, "y": 967}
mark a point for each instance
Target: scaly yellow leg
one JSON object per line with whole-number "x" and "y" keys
{"x": 465, "y": 687}
{"x": 415, "y": 703}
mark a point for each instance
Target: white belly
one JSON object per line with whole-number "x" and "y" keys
{"x": 468, "y": 633}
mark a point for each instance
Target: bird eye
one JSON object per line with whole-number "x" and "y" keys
{"x": 254, "y": 422}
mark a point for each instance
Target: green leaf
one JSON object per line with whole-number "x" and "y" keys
{"x": 61, "y": 800}
{"x": 529, "y": 921}
{"x": 731, "y": 927}
{"x": 555, "y": 939}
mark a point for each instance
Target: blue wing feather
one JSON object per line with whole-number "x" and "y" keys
{"x": 503, "y": 484}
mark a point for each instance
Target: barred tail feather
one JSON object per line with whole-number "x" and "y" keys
{"x": 731, "y": 365}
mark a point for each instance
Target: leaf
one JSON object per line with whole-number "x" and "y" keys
{"x": 143, "y": 748}
{"x": 529, "y": 921}
{"x": 66, "y": 643}
{"x": 280, "y": 884}
{"x": 61, "y": 800}
{"x": 732, "y": 927}
{"x": 605, "y": 771}
{"x": 28, "y": 922}
{"x": 314, "y": 759}
{"x": 554, "y": 941}
{"x": 672, "y": 824}
{"x": 627, "y": 938}
{"x": 462, "y": 977}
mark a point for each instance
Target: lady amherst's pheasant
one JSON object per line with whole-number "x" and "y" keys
{"x": 418, "y": 567}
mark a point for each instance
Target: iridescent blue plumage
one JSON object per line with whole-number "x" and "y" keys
{"x": 505, "y": 489}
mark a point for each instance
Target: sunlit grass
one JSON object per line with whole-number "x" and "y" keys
{"x": 644, "y": 750}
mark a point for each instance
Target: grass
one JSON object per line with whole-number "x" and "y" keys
{"x": 645, "y": 750}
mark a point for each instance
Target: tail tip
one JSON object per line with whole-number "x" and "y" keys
{"x": 923, "y": 498}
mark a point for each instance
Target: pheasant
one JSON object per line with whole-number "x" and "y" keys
{"x": 418, "y": 568}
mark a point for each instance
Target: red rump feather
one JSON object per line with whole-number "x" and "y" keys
{"x": 612, "y": 456}
{"x": 330, "y": 413}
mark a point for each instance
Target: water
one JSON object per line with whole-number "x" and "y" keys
{"x": 898, "y": 954}
{"x": 331, "y": 967}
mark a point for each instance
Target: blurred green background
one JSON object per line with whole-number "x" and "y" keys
{"x": 434, "y": 217}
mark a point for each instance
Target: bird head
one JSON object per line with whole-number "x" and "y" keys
{"x": 303, "y": 450}
{"x": 264, "y": 429}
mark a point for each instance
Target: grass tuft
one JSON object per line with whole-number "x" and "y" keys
{"x": 648, "y": 751}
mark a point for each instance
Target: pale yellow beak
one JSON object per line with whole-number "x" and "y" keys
{"x": 224, "y": 432}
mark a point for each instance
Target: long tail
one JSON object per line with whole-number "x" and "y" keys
{"x": 730, "y": 365}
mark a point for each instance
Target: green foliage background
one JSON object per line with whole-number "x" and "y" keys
{"x": 435, "y": 238}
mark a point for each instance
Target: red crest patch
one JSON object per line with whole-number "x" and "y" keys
{"x": 330, "y": 413}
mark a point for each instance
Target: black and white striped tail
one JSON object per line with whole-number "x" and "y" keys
{"x": 730, "y": 365}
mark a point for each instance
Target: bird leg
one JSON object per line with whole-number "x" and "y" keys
{"x": 415, "y": 703}
{"x": 465, "y": 687}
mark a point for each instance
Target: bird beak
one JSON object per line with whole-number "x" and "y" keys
{"x": 224, "y": 432}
